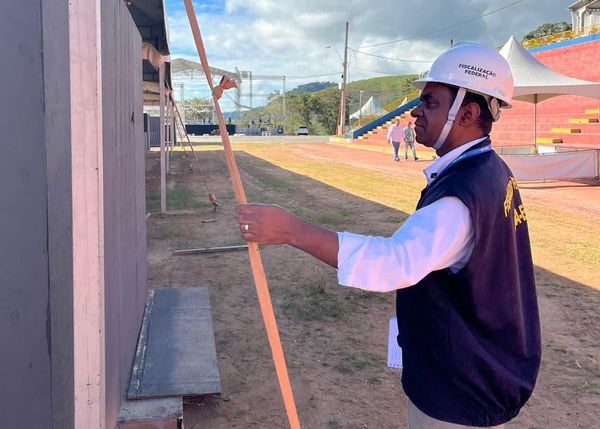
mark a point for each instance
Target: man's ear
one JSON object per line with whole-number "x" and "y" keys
{"x": 469, "y": 115}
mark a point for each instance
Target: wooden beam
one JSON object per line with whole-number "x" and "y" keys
{"x": 163, "y": 165}
{"x": 88, "y": 213}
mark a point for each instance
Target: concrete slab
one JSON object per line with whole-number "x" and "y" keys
{"x": 159, "y": 413}
{"x": 176, "y": 354}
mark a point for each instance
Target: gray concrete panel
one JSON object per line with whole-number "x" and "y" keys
{"x": 25, "y": 386}
{"x": 55, "y": 17}
{"x": 124, "y": 218}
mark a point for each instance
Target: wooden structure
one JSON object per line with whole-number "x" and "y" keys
{"x": 73, "y": 227}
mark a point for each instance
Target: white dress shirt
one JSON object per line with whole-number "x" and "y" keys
{"x": 395, "y": 133}
{"x": 434, "y": 237}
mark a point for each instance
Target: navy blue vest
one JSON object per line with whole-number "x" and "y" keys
{"x": 471, "y": 340}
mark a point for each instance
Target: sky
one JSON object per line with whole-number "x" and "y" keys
{"x": 304, "y": 39}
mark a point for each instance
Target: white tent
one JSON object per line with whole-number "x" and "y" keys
{"x": 371, "y": 107}
{"x": 534, "y": 82}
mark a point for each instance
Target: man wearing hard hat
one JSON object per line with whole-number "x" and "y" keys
{"x": 461, "y": 263}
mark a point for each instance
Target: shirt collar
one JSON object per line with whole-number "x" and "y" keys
{"x": 434, "y": 169}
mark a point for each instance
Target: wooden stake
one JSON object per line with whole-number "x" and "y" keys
{"x": 258, "y": 272}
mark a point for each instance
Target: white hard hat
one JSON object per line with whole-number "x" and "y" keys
{"x": 476, "y": 68}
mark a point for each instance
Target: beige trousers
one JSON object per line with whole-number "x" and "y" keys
{"x": 419, "y": 420}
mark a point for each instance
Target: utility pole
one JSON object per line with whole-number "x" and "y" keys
{"x": 283, "y": 96}
{"x": 238, "y": 90}
{"x": 250, "y": 74}
{"x": 182, "y": 103}
{"x": 342, "y": 126}
{"x": 360, "y": 93}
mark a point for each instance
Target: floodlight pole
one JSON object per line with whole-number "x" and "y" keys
{"x": 182, "y": 103}
{"x": 342, "y": 126}
{"x": 283, "y": 106}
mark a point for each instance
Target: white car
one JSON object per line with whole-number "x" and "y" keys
{"x": 302, "y": 130}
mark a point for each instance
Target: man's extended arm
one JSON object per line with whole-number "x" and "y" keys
{"x": 270, "y": 224}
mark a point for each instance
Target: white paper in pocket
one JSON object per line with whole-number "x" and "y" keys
{"x": 394, "y": 358}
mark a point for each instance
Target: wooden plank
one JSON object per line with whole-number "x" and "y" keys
{"x": 163, "y": 159}
{"x": 88, "y": 214}
{"x": 176, "y": 354}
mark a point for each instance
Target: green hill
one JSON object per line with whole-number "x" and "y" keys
{"x": 312, "y": 87}
{"x": 319, "y": 110}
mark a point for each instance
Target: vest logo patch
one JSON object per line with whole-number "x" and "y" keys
{"x": 519, "y": 215}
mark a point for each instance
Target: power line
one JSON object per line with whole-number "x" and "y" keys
{"x": 391, "y": 58}
{"x": 475, "y": 18}
{"x": 374, "y": 71}
{"x": 267, "y": 77}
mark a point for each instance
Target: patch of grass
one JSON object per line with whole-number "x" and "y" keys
{"x": 330, "y": 219}
{"x": 179, "y": 197}
{"x": 152, "y": 200}
{"x": 354, "y": 360}
{"x": 589, "y": 387}
{"x": 169, "y": 231}
{"x": 587, "y": 252}
{"x": 314, "y": 303}
{"x": 182, "y": 197}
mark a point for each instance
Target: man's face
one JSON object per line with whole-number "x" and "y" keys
{"x": 432, "y": 113}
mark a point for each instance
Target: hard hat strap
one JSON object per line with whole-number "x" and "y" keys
{"x": 460, "y": 96}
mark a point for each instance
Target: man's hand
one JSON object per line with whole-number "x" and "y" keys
{"x": 270, "y": 224}
{"x": 266, "y": 223}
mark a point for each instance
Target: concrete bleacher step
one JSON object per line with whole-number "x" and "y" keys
{"x": 548, "y": 140}
{"x": 583, "y": 120}
{"x": 582, "y": 138}
{"x": 175, "y": 358}
{"x": 592, "y": 127}
{"x": 565, "y": 130}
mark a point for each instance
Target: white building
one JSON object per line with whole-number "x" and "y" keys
{"x": 585, "y": 16}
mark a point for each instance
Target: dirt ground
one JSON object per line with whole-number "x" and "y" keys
{"x": 335, "y": 339}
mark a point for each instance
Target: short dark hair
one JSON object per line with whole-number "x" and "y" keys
{"x": 485, "y": 118}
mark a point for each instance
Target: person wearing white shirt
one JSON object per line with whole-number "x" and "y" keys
{"x": 460, "y": 265}
{"x": 394, "y": 137}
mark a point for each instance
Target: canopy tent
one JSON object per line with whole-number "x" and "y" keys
{"x": 371, "y": 107}
{"x": 534, "y": 82}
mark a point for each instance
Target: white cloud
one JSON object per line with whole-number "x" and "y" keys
{"x": 288, "y": 37}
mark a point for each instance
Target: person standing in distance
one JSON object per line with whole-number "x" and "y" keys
{"x": 461, "y": 264}
{"x": 409, "y": 140}
{"x": 394, "y": 137}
